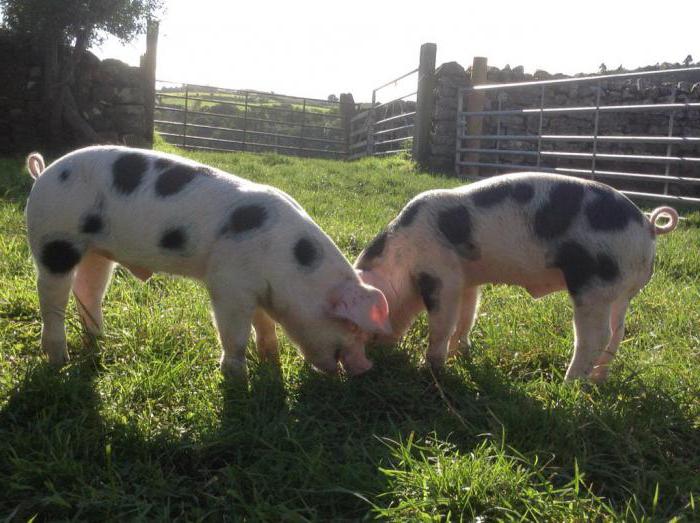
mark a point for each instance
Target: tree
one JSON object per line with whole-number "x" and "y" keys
{"x": 688, "y": 61}
{"x": 63, "y": 32}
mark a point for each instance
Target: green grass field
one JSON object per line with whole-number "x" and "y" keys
{"x": 141, "y": 425}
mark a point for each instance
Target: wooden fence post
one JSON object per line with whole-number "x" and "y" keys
{"x": 424, "y": 104}
{"x": 346, "y": 107}
{"x": 148, "y": 71}
{"x": 475, "y": 102}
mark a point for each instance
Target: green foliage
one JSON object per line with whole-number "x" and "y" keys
{"x": 45, "y": 18}
{"x": 140, "y": 424}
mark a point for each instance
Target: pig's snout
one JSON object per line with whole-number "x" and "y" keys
{"x": 355, "y": 362}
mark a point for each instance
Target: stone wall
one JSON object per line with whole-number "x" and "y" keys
{"x": 660, "y": 89}
{"x": 110, "y": 96}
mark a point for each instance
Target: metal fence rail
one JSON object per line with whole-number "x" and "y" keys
{"x": 385, "y": 128}
{"x": 517, "y": 145}
{"x": 213, "y": 118}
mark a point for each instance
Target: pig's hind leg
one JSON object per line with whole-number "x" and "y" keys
{"x": 467, "y": 317}
{"x": 599, "y": 374}
{"x": 91, "y": 281}
{"x": 265, "y": 336}
{"x": 592, "y": 334}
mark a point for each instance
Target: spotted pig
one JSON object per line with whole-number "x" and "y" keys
{"x": 261, "y": 257}
{"x": 543, "y": 232}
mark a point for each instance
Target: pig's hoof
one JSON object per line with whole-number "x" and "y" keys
{"x": 436, "y": 364}
{"x": 58, "y": 356}
{"x": 234, "y": 369}
{"x": 599, "y": 375}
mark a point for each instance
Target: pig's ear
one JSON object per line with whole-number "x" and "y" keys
{"x": 363, "y": 305}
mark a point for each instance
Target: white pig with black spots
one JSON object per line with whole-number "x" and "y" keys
{"x": 261, "y": 257}
{"x": 544, "y": 232}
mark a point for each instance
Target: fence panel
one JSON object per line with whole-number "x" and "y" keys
{"x": 649, "y": 150}
{"x": 213, "y": 118}
{"x": 385, "y": 128}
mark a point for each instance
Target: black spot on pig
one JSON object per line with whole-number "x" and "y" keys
{"x": 246, "y": 218}
{"x": 372, "y": 251}
{"x": 429, "y": 289}
{"x": 173, "y": 239}
{"x": 491, "y": 194}
{"x": 580, "y": 267}
{"x": 60, "y": 256}
{"x": 128, "y": 171}
{"x": 607, "y": 268}
{"x": 610, "y": 211}
{"x": 454, "y": 223}
{"x": 92, "y": 224}
{"x": 555, "y": 217}
{"x": 306, "y": 253}
{"x": 163, "y": 163}
{"x": 174, "y": 179}
{"x": 408, "y": 214}
{"x": 522, "y": 192}
{"x": 65, "y": 174}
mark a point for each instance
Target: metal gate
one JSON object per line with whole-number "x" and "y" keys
{"x": 527, "y": 131}
{"x": 385, "y": 128}
{"x": 214, "y": 118}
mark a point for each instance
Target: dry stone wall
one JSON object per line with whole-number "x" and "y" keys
{"x": 109, "y": 93}
{"x": 649, "y": 90}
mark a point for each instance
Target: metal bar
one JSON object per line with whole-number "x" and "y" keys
{"x": 539, "y": 132}
{"x": 396, "y": 79}
{"x": 258, "y": 133}
{"x": 184, "y": 128}
{"x": 587, "y": 109}
{"x": 671, "y": 117}
{"x": 626, "y": 157}
{"x": 601, "y": 156}
{"x": 253, "y": 106}
{"x": 403, "y": 115}
{"x": 252, "y": 92}
{"x": 499, "y": 125}
{"x": 596, "y": 120}
{"x": 461, "y": 131}
{"x": 607, "y": 77}
{"x": 255, "y": 144}
{"x": 393, "y": 151}
{"x": 245, "y": 122}
{"x": 205, "y": 148}
{"x": 399, "y": 99}
{"x": 262, "y": 120}
{"x": 303, "y": 119}
{"x": 589, "y": 138}
{"x": 395, "y": 129}
{"x": 394, "y": 140}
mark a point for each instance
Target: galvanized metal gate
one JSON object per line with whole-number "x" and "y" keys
{"x": 385, "y": 128}
{"x": 517, "y": 136}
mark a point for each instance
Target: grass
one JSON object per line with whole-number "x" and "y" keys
{"x": 140, "y": 424}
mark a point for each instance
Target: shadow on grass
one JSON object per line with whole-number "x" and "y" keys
{"x": 310, "y": 446}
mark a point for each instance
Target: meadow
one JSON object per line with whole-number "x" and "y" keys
{"x": 141, "y": 425}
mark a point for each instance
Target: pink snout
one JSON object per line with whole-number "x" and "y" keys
{"x": 355, "y": 362}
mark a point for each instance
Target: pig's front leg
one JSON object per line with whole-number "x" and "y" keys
{"x": 467, "y": 316}
{"x": 265, "y": 336}
{"x": 592, "y": 334}
{"x": 233, "y": 312}
{"x": 441, "y": 297}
